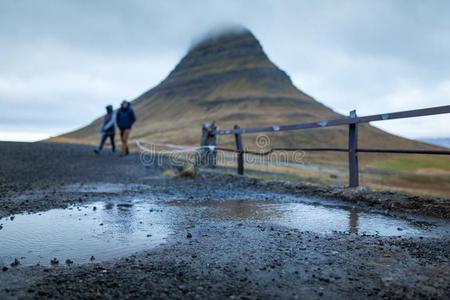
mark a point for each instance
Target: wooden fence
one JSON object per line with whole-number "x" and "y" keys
{"x": 210, "y": 133}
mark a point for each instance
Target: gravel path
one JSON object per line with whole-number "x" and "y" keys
{"x": 208, "y": 258}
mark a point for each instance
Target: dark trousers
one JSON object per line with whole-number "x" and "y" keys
{"x": 103, "y": 140}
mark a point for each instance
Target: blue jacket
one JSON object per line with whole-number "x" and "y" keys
{"x": 125, "y": 118}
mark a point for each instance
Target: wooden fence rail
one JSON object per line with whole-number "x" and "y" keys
{"x": 352, "y": 121}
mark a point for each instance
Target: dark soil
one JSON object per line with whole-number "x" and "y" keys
{"x": 220, "y": 259}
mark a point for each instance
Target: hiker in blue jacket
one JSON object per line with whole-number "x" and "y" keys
{"x": 125, "y": 119}
{"x": 108, "y": 130}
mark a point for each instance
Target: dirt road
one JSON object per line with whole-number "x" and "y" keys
{"x": 228, "y": 239}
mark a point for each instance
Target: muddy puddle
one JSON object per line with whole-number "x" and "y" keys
{"x": 105, "y": 230}
{"x": 313, "y": 217}
{"x": 95, "y": 232}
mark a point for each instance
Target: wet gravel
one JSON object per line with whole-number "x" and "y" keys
{"x": 215, "y": 258}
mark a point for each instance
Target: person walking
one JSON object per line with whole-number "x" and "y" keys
{"x": 125, "y": 119}
{"x": 108, "y": 130}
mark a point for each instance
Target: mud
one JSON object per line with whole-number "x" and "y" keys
{"x": 212, "y": 253}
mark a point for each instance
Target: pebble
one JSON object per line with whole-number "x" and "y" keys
{"x": 189, "y": 235}
{"x": 15, "y": 263}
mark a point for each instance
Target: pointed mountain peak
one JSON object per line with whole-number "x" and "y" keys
{"x": 225, "y": 35}
{"x": 221, "y": 51}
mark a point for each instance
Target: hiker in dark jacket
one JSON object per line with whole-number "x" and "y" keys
{"x": 125, "y": 119}
{"x": 108, "y": 130}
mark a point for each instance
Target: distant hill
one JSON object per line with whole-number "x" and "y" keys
{"x": 229, "y": 78}
{"x": 443, "y": 142}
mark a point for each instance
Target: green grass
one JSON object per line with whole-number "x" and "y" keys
{"x": 414, "y": 163}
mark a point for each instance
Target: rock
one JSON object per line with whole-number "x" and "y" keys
{"x": 189, "y": 235}
{"x": 94, "y": 208}
{"x": 15, "y": 263}
{"x": 5, "y": 268}
{"x": 54, "y": 261}
{"x": 324, "y": 279}
{"x": 189, "y": 171}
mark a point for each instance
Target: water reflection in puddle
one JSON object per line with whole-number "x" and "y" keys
{"x": 103, "y": 230}
{"x": 314, "y": 218}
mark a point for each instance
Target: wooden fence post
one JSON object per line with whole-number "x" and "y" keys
{"x": 208, "y": 153}
{"x": 352, "y": 152}
{"x": 240, "y": 151}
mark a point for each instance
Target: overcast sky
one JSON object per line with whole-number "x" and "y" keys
{"x": 62, "y": 61}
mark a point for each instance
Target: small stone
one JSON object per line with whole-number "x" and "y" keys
{"x": 4, "y": 269}
{"x": 399, "y": 229}
{"x": 94, "y": 208}
{"x": 15, "y": 263}
{"x": 189, "y": 235}
{"x": 324, "y": 279}
{"x": 54, "y": 261}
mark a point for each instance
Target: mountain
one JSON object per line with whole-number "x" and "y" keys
{"x": 228, "y": 78}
